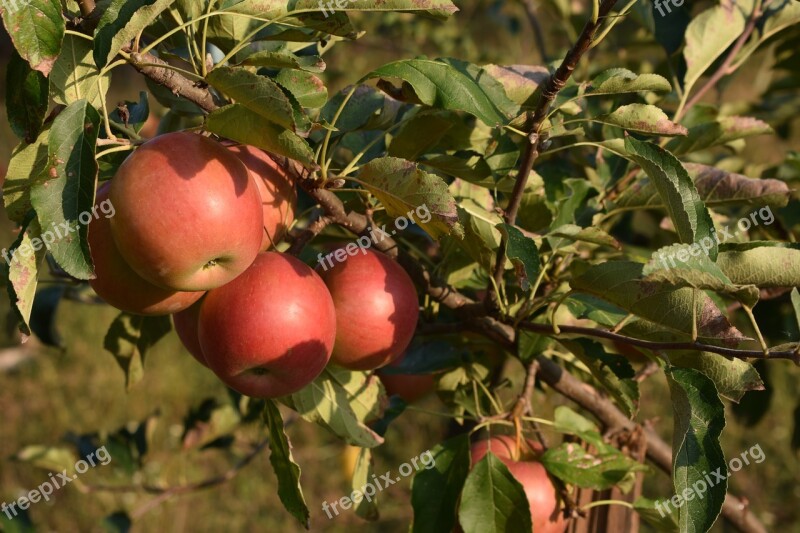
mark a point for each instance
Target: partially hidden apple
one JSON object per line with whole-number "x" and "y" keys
{"x": 188, "y": 214}
{"x": 376, "y": 309}
{"x": 270, "y": 331}
{"x": 542, "y": 496}
{"x": 115, "y": 280}
{"x": 186, "y": 327}
{"x": 277, "y": 191}
{"x": 410, "y": 387}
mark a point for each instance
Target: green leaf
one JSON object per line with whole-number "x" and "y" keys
{"x": 796, "y": 305}
{"x": 283, "y": 58}
{"x": 598, "y": 470}
{"x": 48, "y": 458}
{"x": 621, "y": 283}
{"x": 655, "y": 518}
{"x": 442, "y": 85}
{"x": 341, "y": 401}
{"x": 716, "y": 187}
{"x": 614, "y": 372}
{"x": 257, "y": 93}
{"x": 732, "y": 377}
{"x": 137, "y": 115}
{"x": 477, "y": 216}
{"x": 307, "y": 88}
{"x": 440, "y": 9}
{"x": 28, "y": 162}
{"x": 592, "y": 235}
{"x": 65, "y": 195}
{"x": 21, "y": 269}
{"x": 26, "y": 98}
{"x": 588, "y": 306}
{"x": 493, "y": 501}
{"x": 622, "y": 80}
{"x": 523, "y": 253}
{"x": 435, "y": 491}
{"x": 708, "y": 36}
{"x": 764, "y": 266}
{"x": 75, "y": 76}
{"x": 519, "y": 81}
{"x": 130, "y": 337}
{"x": 286, "y": 470}
{"x": 120, "y": 23}
{"x": 36, "y": 28}
{"x": 402, "y": 188}
{"x": 695, "y": 269}
{"x": 642, "y": 118}
{"x": 678, "y": 192}
{"x": 366, "y": 508}
{"x": 237, "y": 122}
{"x": 698, "y": 423}
{"x": 718, "y": 132}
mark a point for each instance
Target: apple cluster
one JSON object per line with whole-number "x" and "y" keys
{"x": 194, "y": 222}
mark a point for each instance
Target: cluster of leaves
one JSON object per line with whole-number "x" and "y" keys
{"x": 618, "y": 186}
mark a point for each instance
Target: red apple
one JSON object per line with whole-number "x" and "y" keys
{"x": 188, "y": 213}
{"x": 186, "y": 326}
{"x": 278, "y": 195}
{"x": 410, "y": 387}
{"x": 115, "y": 280}
{"x": 541, "y": 492}
{"x": 269, "y": 332}
{"x": 376, "y": 308}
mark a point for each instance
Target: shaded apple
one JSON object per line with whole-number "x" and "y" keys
{"x": 189, "y": 215}
{"x": 186, "y": 327}
{"x": 277, "y": 191}
{"x": 410, "y": 387}
{"x": 270, "y": 331}
{"x": 376, "y": 309}
{"x": 115, "y": 280}
{"x": 539, "y": 488}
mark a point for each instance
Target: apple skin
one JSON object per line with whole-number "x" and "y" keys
{"x": 277, "y": 191}
{"x": 115, "y": 280}
{"x": 376, "y": 310}
{"x": 541, "y": 492}
{"x": 410, "y": 387}
{"x": 186, "y": 323}
{"x": 269, "y": 332}
{"x": 188, "y": 214}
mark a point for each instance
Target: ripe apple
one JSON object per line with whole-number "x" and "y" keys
{"x": 278, "y": 194}
{"x": 410, "y": 387}
{"x": 269, "y": 332}
{"x": 188, "y": 215}
{"x": 541, "y": 492}
{"x": 376, "y": 309}
{"x": 186, "y": 327}
{"x": 115, "y": 280}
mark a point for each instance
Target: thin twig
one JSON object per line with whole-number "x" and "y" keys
{"x": 724, "y": 69}
{"x": 533, "y": 125}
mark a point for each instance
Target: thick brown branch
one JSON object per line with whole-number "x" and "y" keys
{"x": 533, "y": 125}
{"x": 172, "y": 80}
